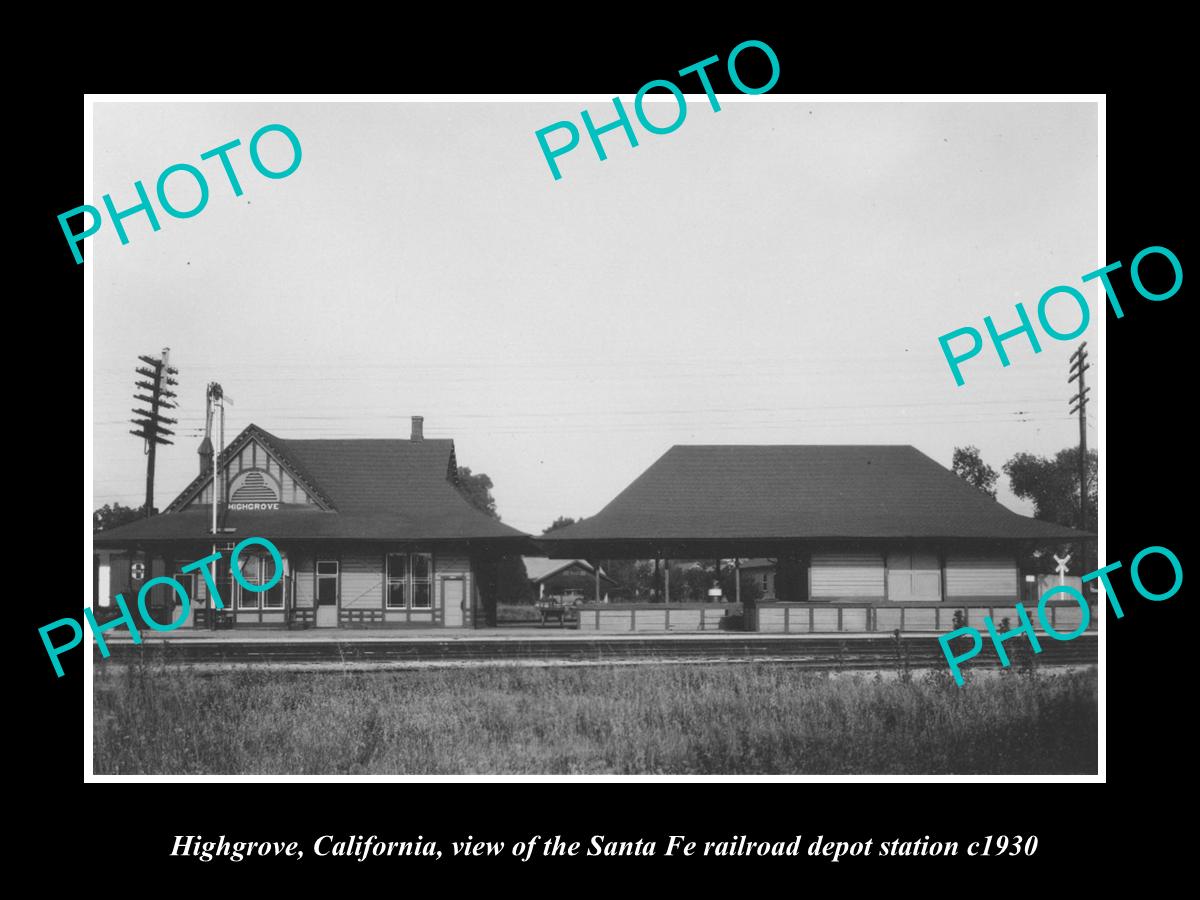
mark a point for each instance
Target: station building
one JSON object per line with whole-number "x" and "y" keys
{"x": 371, "y": 533}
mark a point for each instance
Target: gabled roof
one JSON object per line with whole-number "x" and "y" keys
{"x": 538, "y": 568}
{"x": 757, "y": 562}
{"x": 743, "y": 492}
{"x": 277, "y": 447}
{"x": 371, "y": 489}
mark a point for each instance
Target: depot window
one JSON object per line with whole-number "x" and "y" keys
{"x": 258, "y": 569}
{"x": 409, "y": 581}
{"x": 397, "y": 581}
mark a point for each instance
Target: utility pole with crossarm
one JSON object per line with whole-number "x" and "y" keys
{"x": 156, "y": 390}
{"x": 1079, "y": 365}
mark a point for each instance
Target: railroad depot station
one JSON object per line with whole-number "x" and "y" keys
{"x": 375, "y": 533}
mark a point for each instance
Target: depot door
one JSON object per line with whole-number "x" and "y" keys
{"x": 328, "y": 589}
{"x": 914, "y": 575}
{"x": 454, "y": 598}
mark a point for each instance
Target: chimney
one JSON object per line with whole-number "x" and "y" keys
{"x": 418, "y": 428}
{"x": 205, "y": 452}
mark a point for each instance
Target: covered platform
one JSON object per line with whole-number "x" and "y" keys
{"x": 866, "y": 539}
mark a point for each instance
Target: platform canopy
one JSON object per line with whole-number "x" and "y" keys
{"x": 752, "y": 500}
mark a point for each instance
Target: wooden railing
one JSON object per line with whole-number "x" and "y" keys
{"x": 302, "y": 618}
{"x": 660, "y": 617}
{"x": 360, "y": 617}
{"x": 204, "y": 617}
{"x": 818, "y": 617}
{"x": 912, "y": 616}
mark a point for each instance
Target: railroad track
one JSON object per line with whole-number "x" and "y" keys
{"x": 817, "y": 653}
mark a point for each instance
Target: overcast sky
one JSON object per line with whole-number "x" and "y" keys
{"x": 775, "y": 273}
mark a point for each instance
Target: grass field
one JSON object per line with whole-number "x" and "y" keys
{"x": 701, "y": 719}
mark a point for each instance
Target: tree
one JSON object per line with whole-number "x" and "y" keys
{"x": 693, "y": 582}
{"x": 111, "y": 515}
{"x": 478, "y": 491}
{"x": 561, "y": 522}
{"x": 627, "y": 573}
{"x": 970, "y": 467}
{"x": 501, "y": 578}
{"x": 1053, "y": 486}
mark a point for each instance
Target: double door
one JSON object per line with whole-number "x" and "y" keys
{"x": 914, "y": 575}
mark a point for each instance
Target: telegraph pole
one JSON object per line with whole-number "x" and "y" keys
{"x": 1079, "y": 365}
{"x": 157, "y": 381}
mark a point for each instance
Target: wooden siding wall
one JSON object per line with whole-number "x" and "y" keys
{"x": 119, "y": 580}
{"x": 303, "y": 565}
{"x": 847, "y": 575}
{"x": 453, "y": 564}
{"x": 981, "y": 576}
{"x": 362, "y": 580}
{"x": 364, "y": 576}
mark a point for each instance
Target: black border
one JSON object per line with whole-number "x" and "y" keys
{"x": 1145, "y": 380}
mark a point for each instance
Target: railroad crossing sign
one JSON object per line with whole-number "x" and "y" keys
{"x": 137, "y": 571}
{"x": 1062, "y": 567}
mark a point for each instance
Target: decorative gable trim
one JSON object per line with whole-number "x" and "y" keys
{"x": 252, "y": 433}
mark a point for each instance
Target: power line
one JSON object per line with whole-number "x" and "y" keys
{"x": 368, "y": 411}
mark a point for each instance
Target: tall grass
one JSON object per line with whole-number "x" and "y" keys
{"x": 703, "y": 719}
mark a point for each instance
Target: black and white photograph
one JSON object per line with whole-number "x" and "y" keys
{"x": 472, "y": 437}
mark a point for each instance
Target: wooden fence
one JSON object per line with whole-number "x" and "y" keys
{"x": 824, "y": 618}
{"x": 660, "y": 617}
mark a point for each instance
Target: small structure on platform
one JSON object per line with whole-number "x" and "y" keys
{"x": 762, "y": 572}
{"x": 573, "y": 579}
